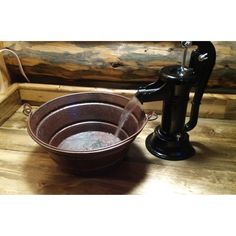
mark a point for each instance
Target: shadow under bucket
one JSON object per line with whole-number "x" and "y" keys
{"x": 58, "y": 124}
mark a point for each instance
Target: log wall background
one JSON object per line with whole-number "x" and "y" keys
{"x": 111, "y": 64}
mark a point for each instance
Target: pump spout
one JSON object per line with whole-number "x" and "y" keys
{"x": 152, "y": 92}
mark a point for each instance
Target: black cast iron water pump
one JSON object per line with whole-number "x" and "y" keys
{"x": 170, "y": 139}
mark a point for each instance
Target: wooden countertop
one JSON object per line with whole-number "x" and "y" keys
{"x": 25, "y": 168}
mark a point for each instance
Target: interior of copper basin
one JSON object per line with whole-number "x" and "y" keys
{"x": 73, "y": 114}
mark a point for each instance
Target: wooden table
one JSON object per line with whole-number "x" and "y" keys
{"x": 25, "y": 168}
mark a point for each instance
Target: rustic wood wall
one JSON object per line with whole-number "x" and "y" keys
{"x": 114, "y": 64}
{"x": 4, "y": 76}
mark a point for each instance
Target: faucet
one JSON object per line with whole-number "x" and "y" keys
{"x": 170, "y": 139}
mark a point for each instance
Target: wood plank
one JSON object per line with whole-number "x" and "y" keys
{"x": 217, "y": 106}
{"x": 36, "y": 173}
{"x": 120, "y": 64}
{"x": 17, "y": 140}
{"x": 9, "y": 103}
{"x": 4, "y": 76}
{"x": 25, "y": 168}
{"x": 17, "y": 121}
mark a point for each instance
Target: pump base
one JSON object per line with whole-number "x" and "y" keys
{"x": 169, "y": 148}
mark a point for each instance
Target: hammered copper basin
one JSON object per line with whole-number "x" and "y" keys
{"x": 72, "y": 114}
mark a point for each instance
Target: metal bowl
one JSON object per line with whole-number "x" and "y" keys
{"x": 68, "y": 115}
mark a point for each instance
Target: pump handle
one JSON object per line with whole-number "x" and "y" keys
{"x": 202, "y": 61}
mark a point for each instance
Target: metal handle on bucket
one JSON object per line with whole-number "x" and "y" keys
{"x": 27, "y": 109}
{"x": 152, "y": 116}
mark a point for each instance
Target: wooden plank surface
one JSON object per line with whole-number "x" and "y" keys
{"x": 4, "y": 76}
{"x": 117, "y": 64}
{"x": 221, "y": 106}
{"x": 9, "y": 102}
{"x": 25, "y": 168}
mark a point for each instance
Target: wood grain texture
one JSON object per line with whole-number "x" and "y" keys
{"x": 114, "y": 64}
{"x": 9, "y": 102}
{"x": 4, "y": 76}
{"x": 212, "y": 105}
{"x": 25, "y": 168}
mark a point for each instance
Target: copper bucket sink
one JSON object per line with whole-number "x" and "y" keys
{"x": 72, "y": 114}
